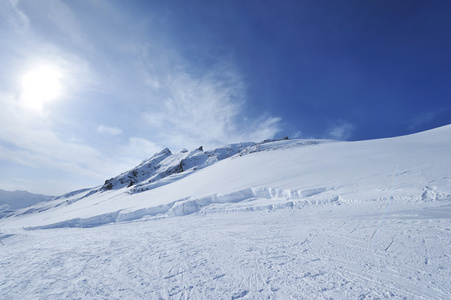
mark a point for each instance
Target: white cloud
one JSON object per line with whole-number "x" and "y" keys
{"x": 297, "y": 135}
{"x": 106, "y": 130}
{"x": 423, "y": 119}
{"x": 182, "y": 109}
{"x": 341, "y": 131}
{"x": 13, "y": 17}
{"x": 51, "y": 16}
{"x": 208, "y": 110}
{"x": 29, "y": 139}
{"x": 137, "y": 149}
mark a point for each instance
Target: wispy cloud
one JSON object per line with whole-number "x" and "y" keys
{"x": 341, "y": 130}
{"x": 13, "y": 17}
{"x": 137, "y": 149}
{"x": 210, "y": 109}
{"x": 102, "y": 129}
{"x": 423, "y": 119}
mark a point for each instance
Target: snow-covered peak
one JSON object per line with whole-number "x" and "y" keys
{"x": 166, "y": 163}
{"x": 145, "y": 170}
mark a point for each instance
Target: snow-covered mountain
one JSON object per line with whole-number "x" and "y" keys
{"x": 165, "y": 163}
{"x": 277, "y": 219}
{"x": 161, "y": 169}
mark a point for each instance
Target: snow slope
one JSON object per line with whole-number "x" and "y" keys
{"x": 282, "y": 173}
{"x": 280, "y": 219}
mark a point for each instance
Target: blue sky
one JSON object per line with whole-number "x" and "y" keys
{"x": 90, "y": 88}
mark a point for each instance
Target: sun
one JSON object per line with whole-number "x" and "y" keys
{"x": 40, "y": 86}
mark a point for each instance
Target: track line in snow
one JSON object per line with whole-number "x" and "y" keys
{"x": 389, "y": 245}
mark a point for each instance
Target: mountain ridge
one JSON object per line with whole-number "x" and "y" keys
{"x": 165, "y": 163}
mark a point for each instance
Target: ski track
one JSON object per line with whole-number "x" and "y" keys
{"x": 328, "y": 252}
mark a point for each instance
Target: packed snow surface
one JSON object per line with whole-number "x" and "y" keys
{"x": 303, "y": 219}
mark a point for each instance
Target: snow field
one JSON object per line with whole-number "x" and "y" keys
{"x": 352, "y": 251}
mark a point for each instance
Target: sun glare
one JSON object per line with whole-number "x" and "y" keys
{"x": 40, "y": 86}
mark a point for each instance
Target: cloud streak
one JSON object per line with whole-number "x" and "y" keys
{"x": 341, "y": 130}
{"x": 106, "y": 130}
{"x": 210, "y": 109}
{"x": 13, "y": 17}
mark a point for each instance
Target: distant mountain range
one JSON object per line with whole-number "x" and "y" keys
{"x": 11, "y": 201}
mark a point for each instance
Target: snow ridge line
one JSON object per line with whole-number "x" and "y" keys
{"x": 286, "y": 199}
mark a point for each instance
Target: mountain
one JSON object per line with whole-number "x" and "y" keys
{"x": 164, "y": 164}
{"x": 273, "y": 173}
{"x": 278, "y": 219}
{"x": 120, "y": 199}
{"x": 11, "y": 201}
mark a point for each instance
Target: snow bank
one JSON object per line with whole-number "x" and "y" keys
{"x": 251, "y": 199}
{"x": 264, "y": 198}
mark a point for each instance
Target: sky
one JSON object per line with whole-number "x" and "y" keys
{"x": 90, "y": 88}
